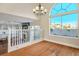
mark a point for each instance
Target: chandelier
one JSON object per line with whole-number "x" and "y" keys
{"x": 39, "y": 10}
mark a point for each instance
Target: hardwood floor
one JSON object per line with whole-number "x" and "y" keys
{"x": 45, "y": 48}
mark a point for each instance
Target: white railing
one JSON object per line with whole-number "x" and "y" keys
{"x": 19, "y": 37}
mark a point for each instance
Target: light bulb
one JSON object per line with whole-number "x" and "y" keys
{"x": 34, "y": 10}
{"x": 42, "y": 8}
{"x": 37, "y": 8}
{"x": 45, "y": 10}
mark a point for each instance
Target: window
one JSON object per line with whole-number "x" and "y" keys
{"x": 63, "y": 24}
{"x": 63, "y": 7}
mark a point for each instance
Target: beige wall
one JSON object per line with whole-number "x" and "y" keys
{"x": 45, "y": 21}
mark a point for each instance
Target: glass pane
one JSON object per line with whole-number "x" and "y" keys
{"x": 57, "y": 21}
{"x": 55, "y": 25}
{"x": 53, "y": 12}
{"x": 69, "y": 25}
{"x": 57, "y": 7}
{"x": 63, "y": 7}
{"x": 69, "y": 20}
{"x": 72, "y": 7}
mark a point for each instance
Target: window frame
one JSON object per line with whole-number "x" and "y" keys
{"x": 63, "y": 14}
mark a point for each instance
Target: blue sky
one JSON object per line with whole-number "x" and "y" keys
{"x": 66, "y": 19}
{"x": 63, "y": 7}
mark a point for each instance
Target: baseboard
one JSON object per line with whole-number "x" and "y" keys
{"x": 66, "y": 44}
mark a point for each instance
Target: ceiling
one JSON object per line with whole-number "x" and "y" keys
{"x": 19, "y": 12}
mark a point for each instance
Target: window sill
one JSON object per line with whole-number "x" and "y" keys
{"x": 64, "y": 36}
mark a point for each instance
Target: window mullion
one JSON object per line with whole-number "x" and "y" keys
{"x": 61, "y": 22}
